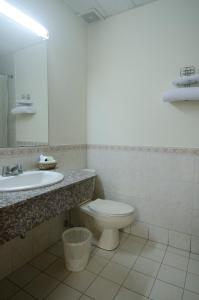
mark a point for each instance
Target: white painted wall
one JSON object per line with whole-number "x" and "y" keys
{"x": 31, "y": 78}
{"x": 67, "y": 66}
{"x": 133, "y": 57}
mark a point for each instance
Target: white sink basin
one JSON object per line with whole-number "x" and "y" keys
{"x": 29, "y": 180}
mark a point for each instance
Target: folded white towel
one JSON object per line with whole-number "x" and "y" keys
{"x": 182, "y": 94}
{"x": 23, "y": 110}
{"x": 193, "y": 79}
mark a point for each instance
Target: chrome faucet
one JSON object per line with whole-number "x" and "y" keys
{"x": 12, "y": 171}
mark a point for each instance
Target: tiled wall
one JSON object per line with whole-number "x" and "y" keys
{"x": 19, "y": 251}
{"x": 161, "y": 183}
{"x": 70, "y": 157}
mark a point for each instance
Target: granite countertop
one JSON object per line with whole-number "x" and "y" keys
{"x": 71, "y": 177}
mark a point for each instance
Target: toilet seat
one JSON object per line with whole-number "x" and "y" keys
{"x": 110, "y": 208}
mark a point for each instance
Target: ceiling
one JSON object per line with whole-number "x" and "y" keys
{"x": 14, "y": 37}
{"x": 103, "y": 8}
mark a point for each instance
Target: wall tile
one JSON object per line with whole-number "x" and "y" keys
{"x": 195, "y": 244}
{"x": 159, "y": 183}
{"x": 195, "y": 223}
{"x": 22, "y": 251}
{"x": 40, "y": 238}
{"x": 140, "y": 229}
{"x": 56, "y": 228}
{"x": 196, "y": 196}
{"x": 182, "y": 196}
{"x": 6, "y": 260}
{"x": 158, "y": 234}
{"x": 180, "y": 240}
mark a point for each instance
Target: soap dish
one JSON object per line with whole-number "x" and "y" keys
{"x": 48, "y": 165}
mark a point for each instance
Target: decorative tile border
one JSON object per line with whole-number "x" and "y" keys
{"x": 144, "y": 149}
{"x": 32, "y": 150}
{"x": 30, "y": 144}
{"x": 47, "y": 148}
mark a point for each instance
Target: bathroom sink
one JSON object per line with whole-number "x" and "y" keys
{"x": 29, "y": 180}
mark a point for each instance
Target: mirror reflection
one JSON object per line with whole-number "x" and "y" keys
{"x": 23, "y": 86}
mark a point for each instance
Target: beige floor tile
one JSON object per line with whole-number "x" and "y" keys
{"x": 176, "y": 261}
{"x": 192, "y": 282}
{"x": 24, "y": 275}
{"x": 22, "y": 296}
{"x": 138, "y": 239}
{"x": 153, "y": 253}
{"x": 84, "y": 297}
{"x": 172, "y": 275}
{"x": 194, "y": 256}
{"x": 132, "y": 246}
{"x": 123, "y": 236}
{"x": 178, "y": 251}
{"x": 41, "y": 286}
{"x": 104, "y": 253}
{"x": 7, "y": 289}
{"x": 42, "y": 261}
{"x": 57, "y": 249}
{"x": 190, "y": 296}
{"x": 58, "y": 270}
{"x": 125, "y": 294}
{"x": 80, "y": 280}
{"x": 102, "y": 289}
{"x": 63, "y": 292}
{"x": 157, "y": 245}
{"x": 124, "y": 258}
{"x": 164, "y": 291}
{"x": 139, "y": 283}
{"x": 147, "y": 266}
{"x": 96, "y": 264}
{"x": 115, "y": 272}
{"x": 193, "y": 266}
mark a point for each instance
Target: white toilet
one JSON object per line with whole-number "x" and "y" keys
{"x": 109, "y": 216}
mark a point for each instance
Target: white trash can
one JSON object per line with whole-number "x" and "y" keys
{"x": 77, "y": 247}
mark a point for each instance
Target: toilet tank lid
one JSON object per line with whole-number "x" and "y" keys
{"x": 109, "y": 207}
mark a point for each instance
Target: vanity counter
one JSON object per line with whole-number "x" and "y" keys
{"x": 23, "y": 210}
{"x": 71, "y": 177}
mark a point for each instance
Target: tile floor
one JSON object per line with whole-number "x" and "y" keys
{"x": 137, "y": 270}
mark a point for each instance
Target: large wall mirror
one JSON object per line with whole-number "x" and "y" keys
{"x": 23, "y": 86}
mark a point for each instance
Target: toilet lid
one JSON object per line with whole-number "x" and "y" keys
{"x": 109, "y": 207}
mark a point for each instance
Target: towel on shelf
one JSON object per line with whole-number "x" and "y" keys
{"x": 192, "y": 79}
{"x": 23, "y": 109}
{"x": 182, "y": 94}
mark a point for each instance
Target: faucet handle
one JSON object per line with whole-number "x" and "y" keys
{"x": 5, "y": 170}
{"x": 20, "y": 168}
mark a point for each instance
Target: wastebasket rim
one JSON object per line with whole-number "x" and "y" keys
{"x": 76, "y": 229}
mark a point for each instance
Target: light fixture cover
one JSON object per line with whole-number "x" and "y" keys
{"x": 21, "y": 18}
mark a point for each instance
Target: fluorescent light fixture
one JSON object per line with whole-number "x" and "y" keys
{"x": 21, "y": 18}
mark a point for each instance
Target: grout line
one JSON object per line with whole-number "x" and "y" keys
{"x": 99, "y": 274}
{"x": 186, "y": 276}
{"x": 161, "y": 263}
{"x": 122, "y": 284}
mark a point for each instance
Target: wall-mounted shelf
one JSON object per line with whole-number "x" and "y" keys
{"x": 187, "y": 78}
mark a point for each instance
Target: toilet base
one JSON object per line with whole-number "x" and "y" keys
{"x": 109, "y": 239}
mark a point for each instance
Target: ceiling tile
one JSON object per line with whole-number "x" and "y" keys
{"x": 112, "y": 7}
{"x": 142, "y": 2}
{"x": 81, "y": 6}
